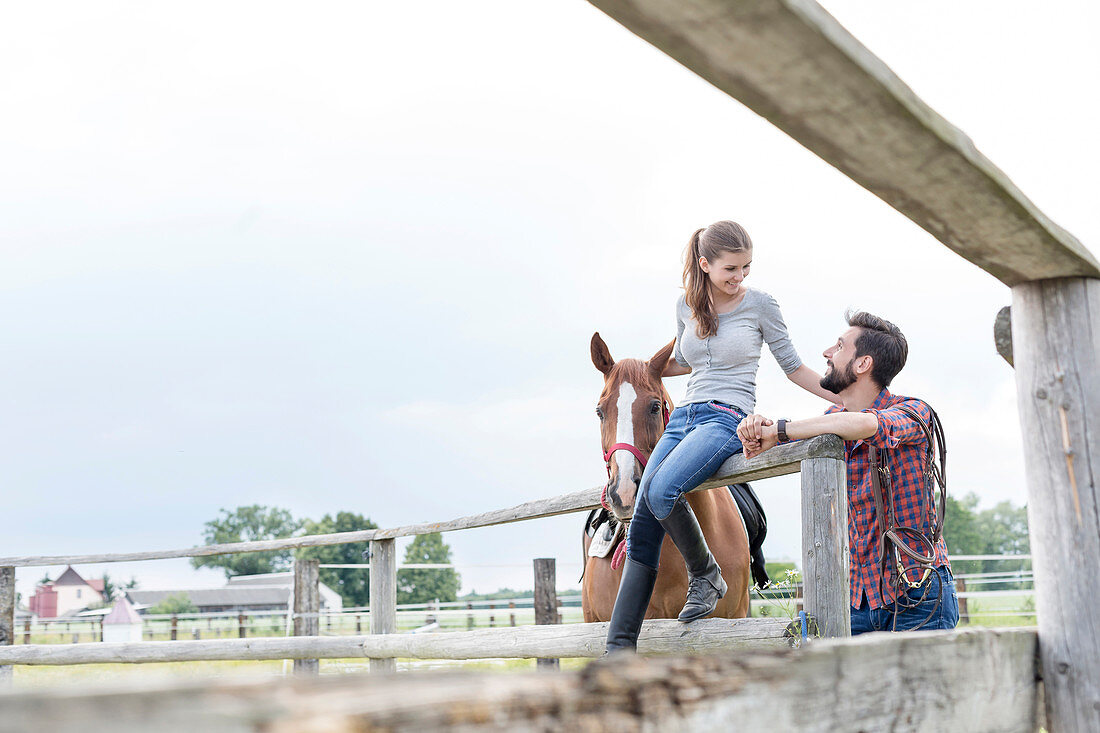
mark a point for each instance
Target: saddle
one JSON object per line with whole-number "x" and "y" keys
{"x": 607, "y": 532}
{"x": 756, "y": 525}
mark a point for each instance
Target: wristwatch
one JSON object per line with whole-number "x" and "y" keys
{"x": 781, "y": 430}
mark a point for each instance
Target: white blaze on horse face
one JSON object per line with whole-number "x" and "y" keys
{"x": 624, "y": 431}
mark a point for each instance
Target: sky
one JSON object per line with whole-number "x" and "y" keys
{"x": 349, "y": 256}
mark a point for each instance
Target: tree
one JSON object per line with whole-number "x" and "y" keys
{"x": 246, "y": 524}
{"x": 109, "y": 588}
{"x": 961, "y": 531}
{"x": 1000, "y": 530}
{"x": 427, "y": 584}
{"x": 353, "y": 584}
{"x": 174, "y": 603}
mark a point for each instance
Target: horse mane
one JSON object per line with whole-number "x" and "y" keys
{"x": 636, "y": 372}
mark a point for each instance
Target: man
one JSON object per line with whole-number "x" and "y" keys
{"x": 861, "y": 365}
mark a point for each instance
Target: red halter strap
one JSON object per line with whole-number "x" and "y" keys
{"x": 628, "y": 447}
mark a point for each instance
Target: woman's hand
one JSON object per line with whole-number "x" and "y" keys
{"x": 673, "y": 368}
{"x": 755, "y": 435}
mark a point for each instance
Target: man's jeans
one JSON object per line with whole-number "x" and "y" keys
{"x": 945, "y": 616}
{"x": 699, "y": 437}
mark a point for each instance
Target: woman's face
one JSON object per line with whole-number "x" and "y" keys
{"x": 727, "y": 271}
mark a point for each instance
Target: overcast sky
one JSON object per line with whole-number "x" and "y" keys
{"x": 348, "y": 256}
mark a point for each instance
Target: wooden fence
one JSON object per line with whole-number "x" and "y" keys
{"x": 962, "y": 681}
{"x": 825, "y": 587}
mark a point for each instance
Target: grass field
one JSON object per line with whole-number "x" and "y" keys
{"x": 28, "y": 678}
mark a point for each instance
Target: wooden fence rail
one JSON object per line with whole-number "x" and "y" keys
{"x": 779, "y": 461}
{"x": 520, "y": 642}
{"x": 825, "y": 572}
{"x": 966, "y": 681}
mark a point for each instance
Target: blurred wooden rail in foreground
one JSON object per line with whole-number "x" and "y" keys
{"x": 971, "y": 680}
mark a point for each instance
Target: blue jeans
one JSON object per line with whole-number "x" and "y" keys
{"x": 945, "y": 615}
{"x": 699, "y": 437}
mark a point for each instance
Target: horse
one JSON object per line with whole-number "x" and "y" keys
{"x": 633, "y": 410}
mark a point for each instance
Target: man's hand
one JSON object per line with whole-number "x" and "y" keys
{"x": 757, "y": 435}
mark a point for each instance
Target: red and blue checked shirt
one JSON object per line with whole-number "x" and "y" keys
{"x": 906, "y": 447}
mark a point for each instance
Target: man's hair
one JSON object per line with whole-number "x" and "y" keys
{"x": 883, "y": 342}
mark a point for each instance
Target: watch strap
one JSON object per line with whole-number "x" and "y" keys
{"x": 781, "y": 430}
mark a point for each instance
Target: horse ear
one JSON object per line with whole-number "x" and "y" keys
{"x": 601, "y": 357}
{"x": 657, "y": 363}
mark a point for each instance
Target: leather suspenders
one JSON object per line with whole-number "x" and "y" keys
{"x": 892, "y": 537}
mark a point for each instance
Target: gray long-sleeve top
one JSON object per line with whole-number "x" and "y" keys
{"x": 723, "y": 367}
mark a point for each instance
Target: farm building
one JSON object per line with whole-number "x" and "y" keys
{"x": 69, "y": 593}
{"x": 266, "y": 592}
{"x": 123, "y": 623}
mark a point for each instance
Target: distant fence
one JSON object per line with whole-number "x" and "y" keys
{"x": 824, "y": 561}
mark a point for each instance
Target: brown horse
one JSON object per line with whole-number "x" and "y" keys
{"x": 631, "y": 410}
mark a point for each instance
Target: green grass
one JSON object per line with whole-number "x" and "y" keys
{"x": 998, "y": 611}
{"x": 36, "y": 677}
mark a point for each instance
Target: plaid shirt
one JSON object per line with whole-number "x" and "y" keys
{"x": 906, "y": 446}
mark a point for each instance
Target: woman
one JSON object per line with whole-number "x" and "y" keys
{"x": 720, "y": 328}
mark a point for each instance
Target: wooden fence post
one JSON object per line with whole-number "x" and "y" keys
{"x": 546, "y": 601}
{"x": 173, "y": 627}
{"x": 383, "y": 596}
{"x": 512, "y": 613}
{"x": 7, "y": 618}
{"x": 964, "y": 610}
{"x": 307, "y": 604}
{"x": 1056, "y": 350}
{"x": 469, "y": 615}
{"x": 241, "y": 630}
{"x": 27, "y": 630}
{"x": 825, "y": 545}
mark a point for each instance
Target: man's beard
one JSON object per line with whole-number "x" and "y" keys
{"x": 836, "y": 382}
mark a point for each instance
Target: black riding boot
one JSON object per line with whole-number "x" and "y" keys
{"x": 705, "y": 583}
{"x": 630, "y": 605}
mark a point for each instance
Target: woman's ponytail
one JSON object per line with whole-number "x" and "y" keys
{"x": 696, "y": 289}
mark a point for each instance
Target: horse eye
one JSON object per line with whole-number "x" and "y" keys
{"x": 599, "y": 413}
{"x": 655, "y": 408}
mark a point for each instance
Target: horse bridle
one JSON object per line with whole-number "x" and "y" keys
{"x": 630, "y": 448}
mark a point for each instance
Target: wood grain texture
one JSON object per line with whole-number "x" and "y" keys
{"x": 1002, "y": 333}
{"x": 1056, "y": 334}
{"x": 660, "y": 637}
{"x": 974, "y": 681}
{"x": 825, "y": 552}
{"x": 383, "y": 597}
{"x": 7, "y": 617}
{"x": 792, "y": 63}
{"x": 307, "y": 604}
{"x": 778, "y": 461}
{"x": 545, "y": 601}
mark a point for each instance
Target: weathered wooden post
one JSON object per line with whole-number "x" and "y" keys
{"x": 173, "y": 627}
{"x": 492, "y": 617}
{"x": 1056, "y": 350}
{"x": 825, "y": 589}
{"x": 964, "y": 609}
{"x": 469, "y": 615}
{"x": 307, "y": 604}
{"x": 241, "y": 629}
{"x": 27, "y": 630}
{"x": 383, "y": 596}
{"x": 546, "y": 601}
{"x": 7, "y": 617}
{"x": 512, "y": 613}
